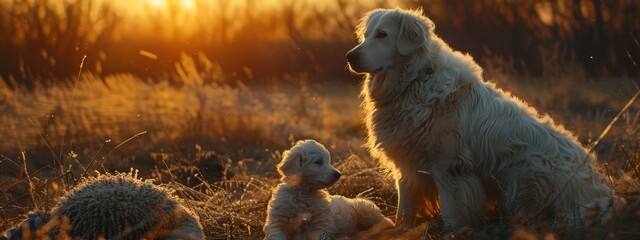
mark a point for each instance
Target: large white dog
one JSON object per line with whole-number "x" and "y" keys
{"x": 454, "y": 142}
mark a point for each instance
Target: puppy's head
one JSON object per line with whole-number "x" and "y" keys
{"x": 308, "y": 164}
{"x": 386, "y": 37}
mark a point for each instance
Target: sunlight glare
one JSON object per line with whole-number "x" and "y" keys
{"x": 188, "y": 4}
{"x": 158, "y": 3}
{"x": 183, "y": 4}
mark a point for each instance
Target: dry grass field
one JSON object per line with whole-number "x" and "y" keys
{"x": 216, "y": 141}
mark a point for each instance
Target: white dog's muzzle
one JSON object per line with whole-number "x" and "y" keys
{"x": 353, "y": 59}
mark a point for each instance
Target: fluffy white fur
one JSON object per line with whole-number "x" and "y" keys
{"x": 300, "y": 208}
{"x": 453, "y": 141}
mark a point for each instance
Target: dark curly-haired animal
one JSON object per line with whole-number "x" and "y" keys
{"x": 113, "y": 207}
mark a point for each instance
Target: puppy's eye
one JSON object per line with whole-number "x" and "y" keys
{"x": 381, "y": 34}
{"x": 319, "y": 162}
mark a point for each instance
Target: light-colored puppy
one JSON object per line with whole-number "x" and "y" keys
{"x": 300, "y": 208}
{"x": 453, "y": 141}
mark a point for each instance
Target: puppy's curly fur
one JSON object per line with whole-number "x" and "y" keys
{"x": 301, "y": 208}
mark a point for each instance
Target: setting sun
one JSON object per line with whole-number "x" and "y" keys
{"x": 158, "y": 3}
{"x": 188, "y": 4}
{"x": 184, "y": 4}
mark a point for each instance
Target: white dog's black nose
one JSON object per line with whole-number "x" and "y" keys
{"x": 353, "y": 56}
{"x": 337, "y": 175}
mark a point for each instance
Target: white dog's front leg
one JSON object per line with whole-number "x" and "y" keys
{"x": 462, "y": 199}
{"x": 406, "y": 214}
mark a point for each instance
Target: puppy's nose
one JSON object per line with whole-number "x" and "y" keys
{"x": 353, "y": 56}
{"x": 337, "y": 174}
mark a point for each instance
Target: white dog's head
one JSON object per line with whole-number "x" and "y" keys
{"x": 308, "y": 164}
{"x": 386, "y": 37}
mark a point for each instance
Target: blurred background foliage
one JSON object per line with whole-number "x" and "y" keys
{"x": 259, "y": 41}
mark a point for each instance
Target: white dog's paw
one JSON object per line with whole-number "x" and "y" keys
{"x": 404, "y": 222}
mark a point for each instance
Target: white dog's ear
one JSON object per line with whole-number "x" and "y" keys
{"x": 413, "y": 33}
{"x": 361, "y": 28}
{"x": 291, "y": 164}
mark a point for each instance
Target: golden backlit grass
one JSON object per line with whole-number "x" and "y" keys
{"x": 121, "y": 121}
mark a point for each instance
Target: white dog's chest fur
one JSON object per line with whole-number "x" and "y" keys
{"x": 398, "y": 135}
{"x": 396, "y": 126}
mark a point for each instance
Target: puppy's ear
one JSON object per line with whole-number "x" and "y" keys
{"x": 413, "y": 33}
{"x": 291, "y": 164}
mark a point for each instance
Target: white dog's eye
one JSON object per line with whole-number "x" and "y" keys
{"x": 319, "y": 162}
{"x": 381, "y": 34}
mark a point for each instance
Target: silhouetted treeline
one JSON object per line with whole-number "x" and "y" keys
{"x": 43, "y": 40}
{"x": 597, "y": 34}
